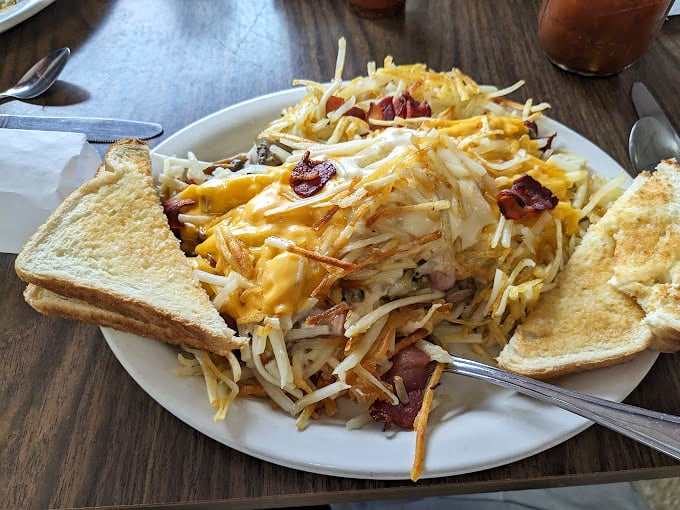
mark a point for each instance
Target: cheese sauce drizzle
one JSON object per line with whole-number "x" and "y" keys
{"x": 403, "y": 246}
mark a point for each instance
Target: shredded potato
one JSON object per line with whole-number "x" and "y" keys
{"x": 404, "y": 245}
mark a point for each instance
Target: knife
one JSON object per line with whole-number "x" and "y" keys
{"x": 95, "y": 129}
{"x": 647, "y": 106}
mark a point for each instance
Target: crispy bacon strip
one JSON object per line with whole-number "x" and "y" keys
{"x": 403, "y": 106}
{"x": 532, "y": 127}
{"x": 526, "y": 197}
{"x": 335, "y": 102}
{"x": 309, "y": 176}
{"x": 533, "y": 134}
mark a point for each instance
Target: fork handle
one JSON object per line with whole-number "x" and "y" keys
{"x": 657, "y": 430}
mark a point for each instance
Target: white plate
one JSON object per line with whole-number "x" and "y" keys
{"x": 482, "y": 426}
{"x": 23, "y": 10}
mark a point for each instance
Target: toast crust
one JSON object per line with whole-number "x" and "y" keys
{"x": 618, "y": 294}
{"x": 581, "y": 324}
{"x": 647, "y": 253}
{"x": 109, "y": 245}
{"x": 49, "y": 303}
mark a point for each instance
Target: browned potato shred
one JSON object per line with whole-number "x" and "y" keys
{"x": 403, "y": 246}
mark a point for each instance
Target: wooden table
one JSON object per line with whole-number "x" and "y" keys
{"x": 75, "y": 429}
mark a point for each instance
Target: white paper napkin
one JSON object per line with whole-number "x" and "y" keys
{"x": 38, "y": 169}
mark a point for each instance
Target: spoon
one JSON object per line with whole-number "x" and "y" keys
{"x": 40, "y": 77}
{"x": 659, "y": 430}
{"x": 650, "y": 141}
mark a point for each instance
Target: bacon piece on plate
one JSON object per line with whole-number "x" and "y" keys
{"x": 309, "y": 176}
{"x": 526, "y": 196}
{"x": 407, "y": 108}
{"x": 335, "y": 102}
{"x": 414, "y": 367}
{"x": 403, "y": 106}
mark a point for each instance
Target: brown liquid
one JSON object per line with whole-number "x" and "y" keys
{"x": 599, "y": 37}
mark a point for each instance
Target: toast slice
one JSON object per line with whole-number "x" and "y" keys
{"x": 108, "y": 246}
{"x": 614, "y": 298}
{"x": 647, "y": 253}
{"x": 49, "y": 303}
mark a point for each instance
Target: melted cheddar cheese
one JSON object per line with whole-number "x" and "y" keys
{"x": 244, "y": 205}
{"x": 247, "y": 211}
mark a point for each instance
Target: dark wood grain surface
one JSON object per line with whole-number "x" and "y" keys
{"x": 75, "y": 429}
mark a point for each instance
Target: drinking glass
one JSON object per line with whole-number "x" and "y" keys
{"x": 599, "y": 37}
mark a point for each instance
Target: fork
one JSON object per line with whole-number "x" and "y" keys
{"x": 658, "y": 430}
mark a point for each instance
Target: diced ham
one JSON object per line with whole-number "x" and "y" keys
{"x": 402, "y": 415}
{"x": 441, "y": 281}
{"x": 415, "y": 368}
{"x": 413, "y": 365}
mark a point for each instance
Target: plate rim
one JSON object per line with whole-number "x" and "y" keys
{"x": 117, "y": 340}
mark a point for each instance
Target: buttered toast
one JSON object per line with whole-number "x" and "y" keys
{"x": 618, "y": 293}
{"x": 647, "y": 254}
{"x": 50, "y": 303}
{"x": 108, "y": 249}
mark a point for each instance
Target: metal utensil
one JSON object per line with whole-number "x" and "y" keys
{"x": 658, "y": 430}
{"x": 40, "y": 77}
{"x": 96, "y": 129}
{"x": 649, "y": 142}
{"x": 646, "y": 105}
